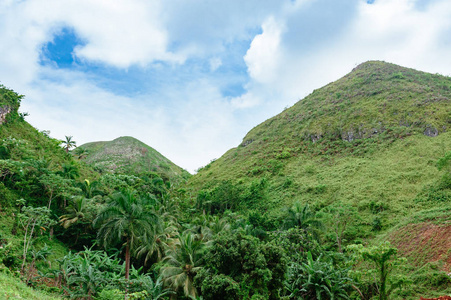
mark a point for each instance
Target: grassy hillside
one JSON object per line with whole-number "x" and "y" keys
{"x": 48, "y": 201}
{"x": 128, "y": 155}
{"x": 12, "y": 288}
{"x": 371, "y": 139}
{"x": 25, "y": 155}
{"x": 355, "y": 163}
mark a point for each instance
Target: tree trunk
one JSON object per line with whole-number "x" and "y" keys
{"x": 127, "y": 266}
{"x": 24, "y": 255}
{"x": 383, "y": 279}
{"x": 127, "y": 259}
{"x": 27, "y": 243}
{"x": 50, "y": 199}
{"x": 340, "y": 249}
{"x": 31, "y": 269}
{"x": 16, "y": 221}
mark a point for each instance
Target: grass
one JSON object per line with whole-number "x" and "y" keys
{"x": 360, "y": 141}
{"x": 128, "y": 155}
{"x": 370, "y": 139}
{"x": 392, "y": 167}
{"x": 11, "y": 287}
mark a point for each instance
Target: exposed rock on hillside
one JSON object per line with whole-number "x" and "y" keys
{"x": 4, "y": 111}
{"x": 372, "y": 135}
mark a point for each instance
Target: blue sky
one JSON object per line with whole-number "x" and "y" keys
{"x": 191, "y": 78}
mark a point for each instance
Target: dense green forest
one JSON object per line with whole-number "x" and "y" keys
{"x": 345, "y": 195}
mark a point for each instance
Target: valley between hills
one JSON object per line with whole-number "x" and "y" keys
{"x": 344, "y": 195}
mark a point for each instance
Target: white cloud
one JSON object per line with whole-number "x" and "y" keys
{"x": 197, "y": 125}
{"x": 119, "y": 33}
{"x": 215, "y": 63}
{"x": 247, "y": 100}
{"x": 203, "y": 27}
{"x": 400, "y": 32}
{"x": 18, "y": 48}
{"x": 287, "y": 62}
{"x": 263, "y": 56}
{"x": 300, "y": 45}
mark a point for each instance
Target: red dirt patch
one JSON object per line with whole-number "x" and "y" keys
{"x": 423, "y": 243}
{"x": 439, "y": 298}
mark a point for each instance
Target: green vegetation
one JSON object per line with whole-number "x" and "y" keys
{"x": 345, "y": 195}
{"x": 384, "y": 258}
{"x": 13, "y": 288}
{"x": 368, "y": 144}
{"x": 127, "y": 155}
{"x": 68, "y": 143}
{"x": 125, "y": 219}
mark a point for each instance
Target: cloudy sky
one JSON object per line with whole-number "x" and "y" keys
{"x": 191, "y": 77}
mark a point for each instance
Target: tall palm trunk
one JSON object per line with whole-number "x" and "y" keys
{"x": 127, "y": 266}
{"x": 127, "y": 259}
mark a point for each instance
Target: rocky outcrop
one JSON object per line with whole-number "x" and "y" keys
{"x": 4, "y": 111}
{"x": 431, "y": 131}
{"x": 245, "y": 143}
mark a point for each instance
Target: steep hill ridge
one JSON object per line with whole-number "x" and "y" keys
{"x": 369, "y": 139}
{"x": 18, "y": 137}
{"x": 374, "y": 98}
{"x": 130, "y": 156}
{"x": 9, "y": 103}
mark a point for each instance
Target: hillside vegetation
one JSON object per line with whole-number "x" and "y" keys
{"x": 127, "y": 155}
{"x": 373, "y": 135}
{"x": 345, "y": 195}
{"x": 370, "y": 140}
{"x": 12, "y": 288}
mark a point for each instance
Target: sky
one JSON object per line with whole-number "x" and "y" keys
{"x": 191, "y": 78}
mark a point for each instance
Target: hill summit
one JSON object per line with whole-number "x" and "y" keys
{"x": 130, "y": 156}
{"x": 375, "y": 98}
{"x": 369, "y": 139}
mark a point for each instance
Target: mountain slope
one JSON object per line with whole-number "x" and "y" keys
{"x": 370, "y": 139}
{"x": 375, "y": 98}
{"x": 20, "y": 140}
{"x": 131, "y": 156}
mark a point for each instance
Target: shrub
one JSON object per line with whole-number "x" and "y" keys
{"x": 377, "y": 207}
{"x": 318, "y": 279}
{"x": 284, "y": 155}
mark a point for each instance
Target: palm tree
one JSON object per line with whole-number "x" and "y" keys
{"x": 303, "y": 217}
{"x": 75, "y": 212}
{"x": 154, "y": 248}
{"x": 68, "y": 143}
{"x": 182, "y": 264}
{"x": 69, "y": 171}
{"x": 90, "y": 189}
{"x": 125, "y": 219}
{"x": 81, "y": 152}
{"x": 218, "y": 225}
{"x": 206, "y": 227}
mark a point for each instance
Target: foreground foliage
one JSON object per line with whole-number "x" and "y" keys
{"x": 296, "y": 212}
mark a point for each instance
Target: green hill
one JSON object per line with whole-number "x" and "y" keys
{"x": 13, "y": 288}
{"x": 369, "y": 154}
{"x": 41, "y": 185}
{"x": 22, "y": 142}
{"x": 28, "y": 158}
{"x": 370, "y": 139}
{"x": 127, "y": 155}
